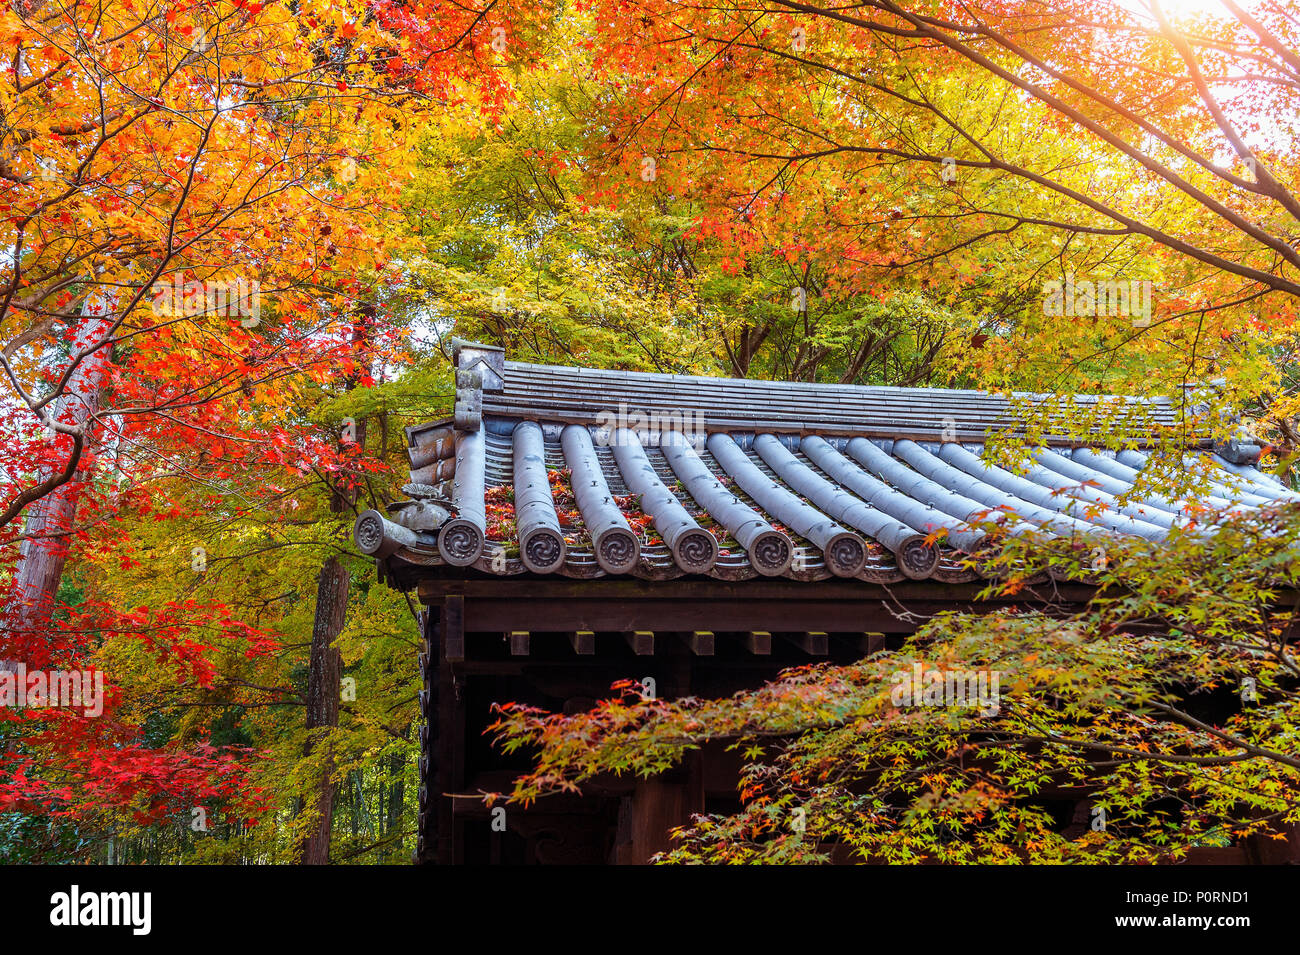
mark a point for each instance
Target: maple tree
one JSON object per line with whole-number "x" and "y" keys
{"x": 974, "y": 152}
{"x": 529, "y": 240}
{"x": 196, "y": 198}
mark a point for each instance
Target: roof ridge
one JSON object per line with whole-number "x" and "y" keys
{"x": 511, "y": 365}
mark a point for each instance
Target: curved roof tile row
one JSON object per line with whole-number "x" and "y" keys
{"x": 737, "y": 479}
{"x": 747, "y": 504}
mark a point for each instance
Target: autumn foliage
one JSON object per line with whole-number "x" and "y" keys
{"x": 238, "y": 235}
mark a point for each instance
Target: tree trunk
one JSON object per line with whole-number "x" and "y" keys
{"x": 396, "y": 795}
{"x": 323, "y": 698}
{"x": 44, "y": 551}
{"x": 325, "y": 668}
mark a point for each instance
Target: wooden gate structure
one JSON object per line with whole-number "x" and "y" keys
{"x": 570, "y": 527}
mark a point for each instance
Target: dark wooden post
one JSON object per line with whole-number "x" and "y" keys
{"x": 429, "y": 810}
{"x": 657, "y": 806}
{"x": 449, "y": 769}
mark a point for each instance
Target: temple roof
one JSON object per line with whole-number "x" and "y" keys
{"x": 584, "y": 472}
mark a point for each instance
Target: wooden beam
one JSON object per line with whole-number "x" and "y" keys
{"x": 813, "y": 643}
{"x": 869, "y": 643}
{"x": 673, "y": 614}
{"x": 759, "y": 643}
{"x": 701, "y": 642}
{"x": 519, "y": 643}
{"x": 642, "y": 642}
{"x": 453, "y": 628}
{"x": 763, "y": 588}
{"x": 583, "y": 642}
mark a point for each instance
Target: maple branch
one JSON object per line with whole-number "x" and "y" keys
{"x": 36, "y": 492}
